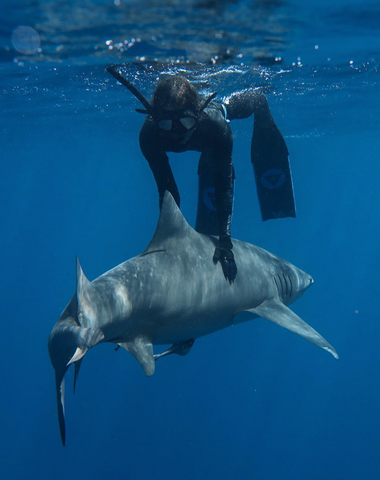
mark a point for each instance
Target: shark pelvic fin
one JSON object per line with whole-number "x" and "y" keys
{"x": 142, "y": 349}
{"x": 179, "y": 348}
{"x": 279, "y": 313}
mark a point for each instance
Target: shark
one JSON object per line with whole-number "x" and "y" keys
{"x": 170, "y": 295}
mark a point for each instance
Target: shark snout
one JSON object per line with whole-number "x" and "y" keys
{"x": 305, "y": 281}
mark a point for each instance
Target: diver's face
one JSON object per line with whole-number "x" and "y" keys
{"x": 180, "y": 125}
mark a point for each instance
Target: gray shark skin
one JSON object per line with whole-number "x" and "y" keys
{"x": 173, "y": 293}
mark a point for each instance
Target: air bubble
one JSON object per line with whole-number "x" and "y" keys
{"x": 26, "y": 40}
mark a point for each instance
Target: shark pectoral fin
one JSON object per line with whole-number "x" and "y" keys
{"x": 279, "y": 313}
{"x": 142, "y": 349}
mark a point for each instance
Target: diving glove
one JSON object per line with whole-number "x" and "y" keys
{"x": 223, "y": 254}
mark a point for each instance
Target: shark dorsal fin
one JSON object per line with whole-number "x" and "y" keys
{"x": 171, "y": 227}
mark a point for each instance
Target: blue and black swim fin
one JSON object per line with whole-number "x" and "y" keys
{"x": 270, "y": 160}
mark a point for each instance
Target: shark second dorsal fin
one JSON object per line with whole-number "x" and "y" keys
{"x": 86, "y": 296}
{"x": 171, "y": 227}
{"x": 83, "y": 284}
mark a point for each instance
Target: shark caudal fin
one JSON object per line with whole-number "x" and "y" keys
{"x": 68, "y": 343}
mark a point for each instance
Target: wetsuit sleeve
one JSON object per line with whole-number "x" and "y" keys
{"x": 150, "y": 144}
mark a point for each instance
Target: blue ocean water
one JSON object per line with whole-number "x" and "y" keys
{"x": 253, "y": 401}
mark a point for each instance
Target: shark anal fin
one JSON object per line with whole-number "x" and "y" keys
{"x": 277, "y": 312}
{"x": 142, "y": 349}
{"x": 179, "y": 348}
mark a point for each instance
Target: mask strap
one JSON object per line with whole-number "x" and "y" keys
{"x": 207, "y": 101}
{"x": 140, "y": 97}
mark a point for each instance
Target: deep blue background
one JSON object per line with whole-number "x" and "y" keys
{"x": 253, "y": 401}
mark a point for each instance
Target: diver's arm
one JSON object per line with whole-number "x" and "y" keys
{"x": 224, "y": 182}
{"x": 219, "y": 143}
{"x": 158, "y": 161}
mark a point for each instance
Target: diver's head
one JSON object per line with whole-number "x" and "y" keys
{"x": 177, "y": 106}
{"x": 175, "y": 94}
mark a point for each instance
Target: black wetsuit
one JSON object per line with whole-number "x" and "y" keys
{"x": 212, "y": 137}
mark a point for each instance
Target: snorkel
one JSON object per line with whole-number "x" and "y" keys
{"x": 140, "y": 97}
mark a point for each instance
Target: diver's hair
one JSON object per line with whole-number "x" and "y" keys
{"x": 175, "y": 92}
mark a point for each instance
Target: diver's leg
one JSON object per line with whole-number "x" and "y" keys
{"x": 207, "y": 218}
{"x": 270, "y": 160}
{"x": 242, "y": 104}
{"x": 269, "y": 154}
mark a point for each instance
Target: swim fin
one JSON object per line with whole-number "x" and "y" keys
{"x": 270, "y": 160}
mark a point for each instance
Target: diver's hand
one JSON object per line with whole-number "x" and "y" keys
{"x": 223, "y": 254}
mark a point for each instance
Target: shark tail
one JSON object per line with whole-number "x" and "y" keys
{"x": 68, "y": 343}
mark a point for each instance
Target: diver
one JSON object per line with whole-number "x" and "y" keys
{"x": 179, "y": 119}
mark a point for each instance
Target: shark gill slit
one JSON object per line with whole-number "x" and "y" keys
{"x": 286, "y": 286}
{"x": 291, "y": 286}
{"x": 278, "y": 288}
{"x": 282, "y": 286}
